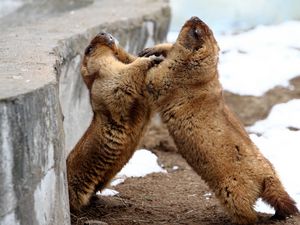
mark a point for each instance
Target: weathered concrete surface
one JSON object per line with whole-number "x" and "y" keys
{"x": 40, "y": 66}
{"x": 32, "y": 169}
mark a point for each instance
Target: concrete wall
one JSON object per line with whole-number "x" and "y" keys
{"x": 32, "y": 176}
{"x": 39, "y": 69}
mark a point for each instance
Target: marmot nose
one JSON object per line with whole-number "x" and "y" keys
{"x": 107, "y": 35}
{"x": 195, "y": 18}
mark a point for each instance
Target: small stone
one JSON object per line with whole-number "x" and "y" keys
{"x": 95, "y": 222}
{"x": 175, "y": 168}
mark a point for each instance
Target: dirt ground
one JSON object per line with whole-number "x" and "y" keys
{"x": 176, "y": 197}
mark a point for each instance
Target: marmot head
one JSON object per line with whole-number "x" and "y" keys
{"x": 198, "y": 39}
{"x": 102, "y": 44}
{"x": 198, "y": 50}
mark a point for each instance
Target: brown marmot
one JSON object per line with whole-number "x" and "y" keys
{"x": 186, "y": 91}
{"x": 116, "y": 82}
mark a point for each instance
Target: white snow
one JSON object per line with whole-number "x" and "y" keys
{"x": 253, "y": 62}
{"x": 117, "y": 181}
{"x": 281, "y": 146}
{"x": 281, "y": 116}
{"x": 142, "y": 163}
{"x": 107, "y": 192}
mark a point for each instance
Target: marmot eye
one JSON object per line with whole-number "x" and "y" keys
{"x": 88, "y": 50}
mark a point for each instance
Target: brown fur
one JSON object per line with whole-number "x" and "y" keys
{"x": 186, "y": 91}
{"x": 115, "y": 81}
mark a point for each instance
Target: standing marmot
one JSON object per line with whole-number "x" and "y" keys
{"x": 116, "y": 82}
{"x": 186, "y": 90}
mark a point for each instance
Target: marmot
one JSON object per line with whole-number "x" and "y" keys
{"x": 186, "y": 91}
{"x": 116, "y": 83}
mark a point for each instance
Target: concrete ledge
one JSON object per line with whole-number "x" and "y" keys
{"x": 39, "y": 71}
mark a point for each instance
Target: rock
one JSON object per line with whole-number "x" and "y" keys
{"x": 95, "y": 222}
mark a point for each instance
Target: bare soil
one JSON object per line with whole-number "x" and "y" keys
{"x": 176, "y": 197}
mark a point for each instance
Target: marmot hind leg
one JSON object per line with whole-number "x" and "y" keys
{"x": 275, "y": 195}
{"x": 79, "y": 196}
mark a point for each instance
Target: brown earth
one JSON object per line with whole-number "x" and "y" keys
{"x": 179, "y": 196}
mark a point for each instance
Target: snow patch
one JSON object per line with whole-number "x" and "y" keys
{"x": 142, "y": 163}
{"x": 117, "y": 181}
{"x": 281, "y": 146}
{"x": 261, "y": 206}
{"x": 107, "y": 192}
{"x": 253, "y": 62}
{"x": 281, "y": 116}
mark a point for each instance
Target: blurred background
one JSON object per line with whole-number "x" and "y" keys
{"x": 228, "y": 15}
{"x": 222, "y": 15}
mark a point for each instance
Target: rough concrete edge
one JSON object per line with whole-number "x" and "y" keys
{"x": 63, "y": 49}
{"x": 20, "y": 120}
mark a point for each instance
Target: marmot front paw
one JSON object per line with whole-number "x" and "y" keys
{"x": 150, "y": 52}
{"x": 155, "y": 60}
